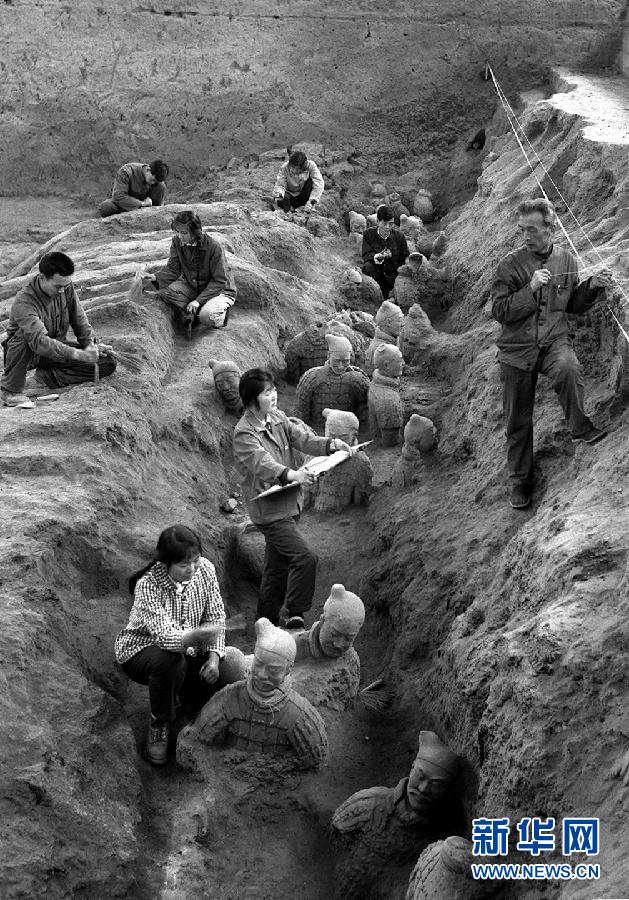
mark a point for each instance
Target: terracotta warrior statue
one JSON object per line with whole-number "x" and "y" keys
{"x": 336, "y": 629}
{"x": 389, "y": 319}
{"x": 351, "y": 482}
{"x": 226, "y": 379}
{"x": 420, "y": 440}
{"x": 336, "y": 384}
{"x": 443, "y": 872}
{"x": 385, "y": 406}
{"x": 381, "y": 827}
{"x": 261, "y": 713}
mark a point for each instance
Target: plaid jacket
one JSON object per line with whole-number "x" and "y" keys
{"x": 160, "y": 615}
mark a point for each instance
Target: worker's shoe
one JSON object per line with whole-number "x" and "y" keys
{"x": 592, "y": 436}
{"x": 156, "y": 750}
{"x": 10, "y": 398}
{"x": 520, "y": 496}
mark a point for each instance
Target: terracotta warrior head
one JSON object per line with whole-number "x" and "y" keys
{"x": 388, "y": 360}
{"x": 434, "y": 769}
{"x": 226, "y": 379}
{"x": 339, "y": 353}
{"x": 273, "y": 657}
{"x": 341, "y": 424}
{"x": 420, "y": 433}
{"x": 390, "y": 317}
{"x": 342, "y": 618}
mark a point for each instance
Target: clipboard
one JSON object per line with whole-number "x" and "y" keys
{"x": 318, "y": 465}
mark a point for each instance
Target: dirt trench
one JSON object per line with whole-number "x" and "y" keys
{"x": 272, "y": 843}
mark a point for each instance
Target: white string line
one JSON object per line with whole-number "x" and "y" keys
{"x": 511, "y": 116}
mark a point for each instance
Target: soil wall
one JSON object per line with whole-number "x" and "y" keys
{"x": 88, "y": 86}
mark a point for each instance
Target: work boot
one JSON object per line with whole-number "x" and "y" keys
{"x": 156, "y": 750}
{"x": 592, "y": 436}
{"x": 11, "y": 398}
{"x": 520, "y": 496}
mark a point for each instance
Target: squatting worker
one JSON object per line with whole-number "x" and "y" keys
{"x": 264, "y": 444}
{"x": 136, "y": 185}
{"x": 384, "y": 250}
{"x": 534, "y": 288}
{"x": 196, "y": 280}
{"x": 299, "y": 183}
{"x": 41, "y": 314}
{"x": 174, "y": 641}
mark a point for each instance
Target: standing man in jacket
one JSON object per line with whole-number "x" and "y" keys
{"x": 136, "y": 185}
{"x": 384, "y": 250}
{"x": 299, "y": 183}
{"x": 534, "y": 289}
{"x": 265, "y": 441}
{"x": 41, "y": 314}
{"x": 196, "y": 279}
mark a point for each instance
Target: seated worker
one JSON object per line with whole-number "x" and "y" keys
{"x": 262, "y": 713}
{"x": 384, "y": 250}
{"x": 175, "y": 639}
{"x": 41, "y": 314}
{"x": 336, "y": 629}
{"x": 136, "y": 185}
{"x": 265, "y": 442}
{"x": 299, "y": 183}
{"x": 336, "y": 384}
{"x": 196, "y": 279}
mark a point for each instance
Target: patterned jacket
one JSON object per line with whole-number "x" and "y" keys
{"x": 320, "y": 387}
{"x": 160, "y": 614}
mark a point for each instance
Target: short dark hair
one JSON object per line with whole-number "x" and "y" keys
{"x": 298, "y": 159}
{"x": 252, "y": 383}
{"x": 56, "y": 263}
{"x": 541, "y": 205}
{"x": 189, "y": 218}
{"x": 176, "y": 544}
{"x": 159, "y": 169}
{"x": 384, "y": 213}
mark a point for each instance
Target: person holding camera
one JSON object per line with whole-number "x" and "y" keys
{"x": 384, "y": 250}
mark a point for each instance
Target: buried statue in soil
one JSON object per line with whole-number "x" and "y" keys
{"x": 336, "y": 629}
{"x": 389, "y": 321}
{"x": 336, "y": 384}
{"x": 420, "y": 441}
{"x": 385, "y": 406}
{"x": 351, "y": 481}
{"x": 226, "y": 380}
{"x": 380, "y": 827}
{"x": 261, "y": 713}
{"x": 443, "y": 872}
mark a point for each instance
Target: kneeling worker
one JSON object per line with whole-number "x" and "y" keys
{"x": 196, "y": 280}
{"x": 41, "y": 314}
{"x": 136, "y": 185}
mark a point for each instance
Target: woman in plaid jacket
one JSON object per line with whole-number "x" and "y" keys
{"x": 175, "y": 639}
